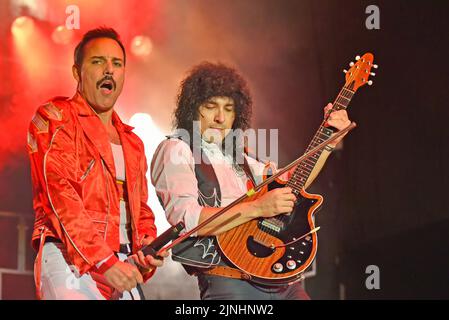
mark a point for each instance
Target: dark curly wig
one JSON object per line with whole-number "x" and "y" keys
{"x": 208, "y": 80}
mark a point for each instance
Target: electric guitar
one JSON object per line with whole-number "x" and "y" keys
{"x": 278, "y": 250}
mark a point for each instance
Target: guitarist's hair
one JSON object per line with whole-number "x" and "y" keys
{"x": 208, "y": 80}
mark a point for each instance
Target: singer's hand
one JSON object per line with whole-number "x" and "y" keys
{"x": 148, "y": 262}
{"x": 123, "y": 276}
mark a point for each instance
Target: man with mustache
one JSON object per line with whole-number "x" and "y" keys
{"x": 197, "y": 172}
{"x": 89, "y": 187}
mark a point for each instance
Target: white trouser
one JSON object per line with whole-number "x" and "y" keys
{"x": 62, "y": 281}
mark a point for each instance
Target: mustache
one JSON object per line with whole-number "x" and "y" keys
{"x": 106, "y": 78}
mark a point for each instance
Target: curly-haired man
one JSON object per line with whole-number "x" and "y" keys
{"x": 214, "y": 101}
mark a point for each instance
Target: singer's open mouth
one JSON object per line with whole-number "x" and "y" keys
{"x": 107, "y": 87}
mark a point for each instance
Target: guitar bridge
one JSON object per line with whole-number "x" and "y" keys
{"x": 272, "y": 224}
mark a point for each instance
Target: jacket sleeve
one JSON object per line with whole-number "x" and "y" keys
{"x": 56, "y": 178}
{"x": 147, "y": 227}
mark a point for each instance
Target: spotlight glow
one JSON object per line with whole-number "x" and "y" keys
{"x": 151, "y": 136}
{"x": 22, "y": 26}
{"x": 30, "y": 46}
{"x": 141, "y": 46}
{"x": 62, "y": 35}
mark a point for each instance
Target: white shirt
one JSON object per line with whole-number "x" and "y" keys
{"x": 125, "y": 218}
{"x": 173, "y": 176}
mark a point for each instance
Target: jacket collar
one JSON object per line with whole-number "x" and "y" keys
{"x": 96, "y": 132}
{"x": 84, "y": 109}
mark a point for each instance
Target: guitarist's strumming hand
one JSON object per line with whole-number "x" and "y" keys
{"x": 338, "y": 119}
{"x": 275, "y": 202}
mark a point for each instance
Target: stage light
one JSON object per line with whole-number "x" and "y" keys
{"x": 151, "y": 136}
{"x": 146, "y": 128}
{"x": 62, "y": 35}
{"x": 22, "y": 26}
{"x": 30, "y": 47}
{"x": 141, "y": 46}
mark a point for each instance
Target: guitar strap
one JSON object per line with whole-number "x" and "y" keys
{"x": 248, "y": 172}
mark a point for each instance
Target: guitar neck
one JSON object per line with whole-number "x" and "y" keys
{"x": 305, "y": 168}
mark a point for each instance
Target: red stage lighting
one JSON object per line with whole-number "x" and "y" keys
{"x": 141, "y": 46}
{"x": 22, "y": 26}
{"x": 62, "y": 35}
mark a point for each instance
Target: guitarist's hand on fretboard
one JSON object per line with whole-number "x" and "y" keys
{"x": 337, "y": 119}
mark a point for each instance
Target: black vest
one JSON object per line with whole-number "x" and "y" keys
{"x": 197, "y": 253}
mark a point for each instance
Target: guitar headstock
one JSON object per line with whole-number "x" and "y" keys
{"x": 360, "y": 72}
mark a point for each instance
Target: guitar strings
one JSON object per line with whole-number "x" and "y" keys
{"x": 293, "y": 182}
{"x": 346, "y": 94}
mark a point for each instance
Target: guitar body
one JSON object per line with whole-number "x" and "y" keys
{"x": 249, "y": 246}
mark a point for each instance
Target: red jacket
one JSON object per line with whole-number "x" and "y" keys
{"x": 76, "y": 198}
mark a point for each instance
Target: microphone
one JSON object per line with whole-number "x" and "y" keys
{"x": 158, "y": 243}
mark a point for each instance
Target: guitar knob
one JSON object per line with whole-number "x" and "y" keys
{"x": 357, "y": 58}
{"x": 351, "y": 64}
{"x": 344, "y": 71}
{"x": 291, "y": 264}
{"x": 375, "y": 66}
{"x": 372, "y": 73}
{"x": 278, "y": 267}
{"x": 370, "y": 82}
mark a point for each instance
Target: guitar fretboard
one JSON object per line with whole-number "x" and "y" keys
{"x": 303, "y": 170}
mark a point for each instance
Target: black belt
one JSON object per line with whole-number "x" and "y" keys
{"x": 125, "y": 248}
{"x": 52, "y": 239}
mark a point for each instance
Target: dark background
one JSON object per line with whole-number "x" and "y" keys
{"x": 385, "y": 191}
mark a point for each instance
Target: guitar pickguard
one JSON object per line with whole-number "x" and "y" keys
{"x": 292, "y": 229}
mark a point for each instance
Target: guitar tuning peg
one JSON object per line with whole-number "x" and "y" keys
{"x": 344, "y": 70}
{"x": 357, "y": 58}
{"x": 375, "y": 66}
{"x": 372, "y": 73}
{"x": 351, "y": 64}
{"x": 370, "y": 82}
